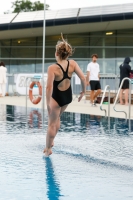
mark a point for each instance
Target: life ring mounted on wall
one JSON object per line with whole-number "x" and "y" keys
{"x": 38, "y": 99}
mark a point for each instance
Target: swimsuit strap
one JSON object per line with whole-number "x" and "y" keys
{"x": 65, "y": 72}
{"x": 60, "y": 67}
{"x": 67, "y": 67}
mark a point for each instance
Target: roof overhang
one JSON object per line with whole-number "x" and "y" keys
{"x": 67, "y": 29}
{"x": 69, "y": 21}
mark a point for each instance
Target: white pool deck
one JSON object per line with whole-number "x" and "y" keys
{"x": 77, "y": 107}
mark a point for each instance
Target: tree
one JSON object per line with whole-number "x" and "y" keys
{"x": 27, "y": 6}
{"x": 39, "y": 6}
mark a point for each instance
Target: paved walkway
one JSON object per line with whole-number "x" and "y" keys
{"x": 79, "y": 107}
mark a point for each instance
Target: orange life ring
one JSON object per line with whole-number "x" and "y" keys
{"x": 38, "y": 99}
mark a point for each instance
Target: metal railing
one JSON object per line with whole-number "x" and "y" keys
{"x": 129, "y": 113}
{"x": 106, "y": 87}
{"x": 11, "y": 85}
{"x": 109, "y": 79}
{"x": 106, "y": 79}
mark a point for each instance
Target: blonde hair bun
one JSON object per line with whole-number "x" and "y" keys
{"x": 64, "y": 49}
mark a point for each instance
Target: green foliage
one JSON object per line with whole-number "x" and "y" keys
{"x": 39, "y": 6}
{"x": 27, "y": 6}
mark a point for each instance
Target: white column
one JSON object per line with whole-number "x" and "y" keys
{"x": 43, "y": 60}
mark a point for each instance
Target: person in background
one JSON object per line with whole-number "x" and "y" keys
{"x": 3, "y": 79}
{"x": 58, "y": 89}
{"x": 93, "y": 78}
{"x": 125, "y": 71}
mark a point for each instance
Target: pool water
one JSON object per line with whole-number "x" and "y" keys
{"x": 91, "y": 160}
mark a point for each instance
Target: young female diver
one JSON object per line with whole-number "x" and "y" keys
{"x": 58, "y": 89}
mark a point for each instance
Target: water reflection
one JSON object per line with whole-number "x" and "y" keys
{"x": 90, "y": 122}
{"x": 53, "y": 187}
{"x": 75, "y": 121}
{"x": 35, "y": 119}
{"x": 9, "y": 113}
{"x": 2, "y": 112}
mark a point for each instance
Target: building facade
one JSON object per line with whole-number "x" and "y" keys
{"x": 102, "y": 30}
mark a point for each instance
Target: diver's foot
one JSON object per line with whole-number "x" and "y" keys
{"x": 47, "y": 152}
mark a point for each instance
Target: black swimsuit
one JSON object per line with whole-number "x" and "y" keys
{"x": 62, "y": 97}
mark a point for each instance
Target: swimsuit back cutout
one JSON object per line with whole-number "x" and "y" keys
{"x": 62, "y": 97}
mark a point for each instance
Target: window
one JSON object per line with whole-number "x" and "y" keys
{"x": 22, "y": 66}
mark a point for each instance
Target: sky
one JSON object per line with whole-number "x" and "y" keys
{"x": 62, "y": 4}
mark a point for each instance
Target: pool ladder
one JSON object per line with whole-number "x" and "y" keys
{"x": 106, "y": 87}
{"x": 116, "y": 99}
{"x": 129, "y": 107}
